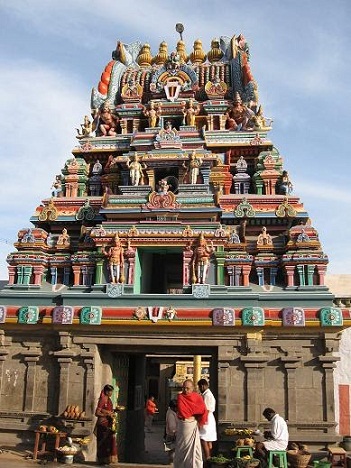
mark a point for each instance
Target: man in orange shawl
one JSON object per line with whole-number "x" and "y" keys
{"x": 192, "y": 413}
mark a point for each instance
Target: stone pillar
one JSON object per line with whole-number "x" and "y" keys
{"x": 205, "y": 172}
{"x": 321, "y": 269}
{"x": 187, "y": 256}
{"x": 272, "y": 275}
{"x": 66, "y": 275}
{"x": 290, "y": 270}
{"x": 301, "y": 272}
{"x": 12, "y": 274}
{"x": 197, "y": 369}
{"x": 131, "y": 268}
{"x": 89, "y": 403}
{"x": 98, "y": 271}
{"x": 38, "y": 274}
{"x": 31, "y": 357}
{"x": 230, "y": 271}
{"x": 64, "y": 358}
{"x": 328, "y": 365}
{"x": 220, "y": 257}
{"x": 260, "y": 274}
{"x": 3, "y": 354}
{"x": 19, "y": 274}
{"x": 237, "y": 275}
{"x": 223, "y": 384}
{"x": 246, "y": 273}
{"x": 310, "y": 271}
{"x": 254, "y": 365}
{"x": 53, "y": 272}
{"x": 76, "y": 272}
{"x": 27, "y": 273}
{"x": 291, "y": 363}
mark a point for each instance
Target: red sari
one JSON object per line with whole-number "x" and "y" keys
{"x": 106, "y": 437}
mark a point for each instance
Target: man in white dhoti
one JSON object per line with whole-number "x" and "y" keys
{"x": 192, "y": 414}
{"x": 277, "y": 437}
{"x": 208, "y": 432}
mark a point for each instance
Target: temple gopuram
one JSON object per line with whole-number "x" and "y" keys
{"x": 173, "y": 233}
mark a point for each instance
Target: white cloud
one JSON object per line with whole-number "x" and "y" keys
{"x": 42, "y": 108}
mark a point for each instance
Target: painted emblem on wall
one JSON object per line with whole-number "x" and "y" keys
{"x": 140, "y": 313}
{"x": 293, "y": 317}
{"x": 91, "y": 315}
{"x": 253, "y": 317}
{"x": 28, "y": 314}
{"x": 170, "y": 314}
{"x": 63, "y": 315}
{"x": 331, "y": 317}
{"x": 3, "y": 312}
{"x": 114, "y": 289}
{"x": 201, "y": 290}
{"x": 155, "y": 313}
{"x": 223, "y": 317}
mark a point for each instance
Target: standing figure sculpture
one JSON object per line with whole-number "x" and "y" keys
{"x": 107, "y": 121}
{"x": 153, "y": 114}
{"x": 135, "y": 169}
{"x": 190, "y": 113}
{"x": 286, "y": 187}
{"x": 115, "y": 256}
{"x": 193, "y": 167}
{"x": 86, "y": 129}
{"x": 201, "y": 260}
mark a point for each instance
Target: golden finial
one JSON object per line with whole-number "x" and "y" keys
{"x": 215, "y": 54}
{"x": 182, "y": 52}
{"x": 198, "y": 55}
{"x": 162, "y": 55}
{"x": 145, "y": 58}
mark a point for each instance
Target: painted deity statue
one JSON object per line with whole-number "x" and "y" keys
{"x": 239, "y": 116}
{"x": 86, "y": 129}
{"x": 152, "y": 113}
{"x": 190, "y": 113}
{"x": 135, "y": 169}
{"x": 63, "y": 239}
{"x": 193, "y": 167}
{"x": 286, "y": 187}
{"x": 56, "y": 188}
{"x": 108, "y": 121}
{"x": 201, "y": 260}
{"x": 115, "y": 257}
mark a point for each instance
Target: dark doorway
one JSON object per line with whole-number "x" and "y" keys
{"x": 162, "y": 272}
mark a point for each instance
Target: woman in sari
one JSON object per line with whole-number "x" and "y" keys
{"x": 105, "y": 428}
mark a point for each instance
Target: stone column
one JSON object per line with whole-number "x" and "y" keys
{"x": 76, "y": 272}
{"x": 230, "y": 271}
{"x": 38, "y": 274}
{"x": 254, "y": 365}
{"x": 310, "y": 271}
{"x": 260, "y": 274}
{"x": 321, "y": 273}
{"x": 53, "y": 272}
{"x": 301, "y": 272}
{"x": 64, "y": 358}
{"x": 246, "y": 273}
{"x": 223, "y": 384}
{"x": 3, "y": 354}
{"x": 220, "y": 257}
{"x": 205, "y": 172}
{"x": 328, "y": 365}
{"x": 88, "y": 360}
{"x": 31, "y": 357}
{"x": 272, "y": 275}
{"x": 19, "y": 274}
{"x": 290, "y": 269}
{"x": 12, "y": 274}
{"x": 98, "y": 271}
{"x": 187, "y": 256}
{"x": 291, "y": 363}
{"x": 197, "y": 369}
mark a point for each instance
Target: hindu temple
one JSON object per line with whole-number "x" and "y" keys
{"x": 173, "y": 244}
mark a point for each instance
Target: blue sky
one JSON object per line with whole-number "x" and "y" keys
{"x": 53, "y": 53}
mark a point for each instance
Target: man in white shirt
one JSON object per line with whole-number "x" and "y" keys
{"x": 276, "y": 438}
{"x": 208, "y": 432}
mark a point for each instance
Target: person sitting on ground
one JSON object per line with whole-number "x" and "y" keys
{"x": 277, "y": 438}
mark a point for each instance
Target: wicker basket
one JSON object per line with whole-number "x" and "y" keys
{"x": 298, "y": 458}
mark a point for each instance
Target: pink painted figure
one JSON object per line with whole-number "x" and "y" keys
{"x": 201, "y": 260}
{"x": 107, "y": 121}
{"x": 115, "y": 256}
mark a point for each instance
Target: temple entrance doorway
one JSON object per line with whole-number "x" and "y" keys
{"x": 138, "y": 372}
{"x": 161, "y": 271}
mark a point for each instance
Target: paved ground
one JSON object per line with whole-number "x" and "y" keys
{"x": 155, "y": 457}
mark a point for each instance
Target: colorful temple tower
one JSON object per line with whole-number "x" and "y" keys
{"x": 173, "y": 230}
